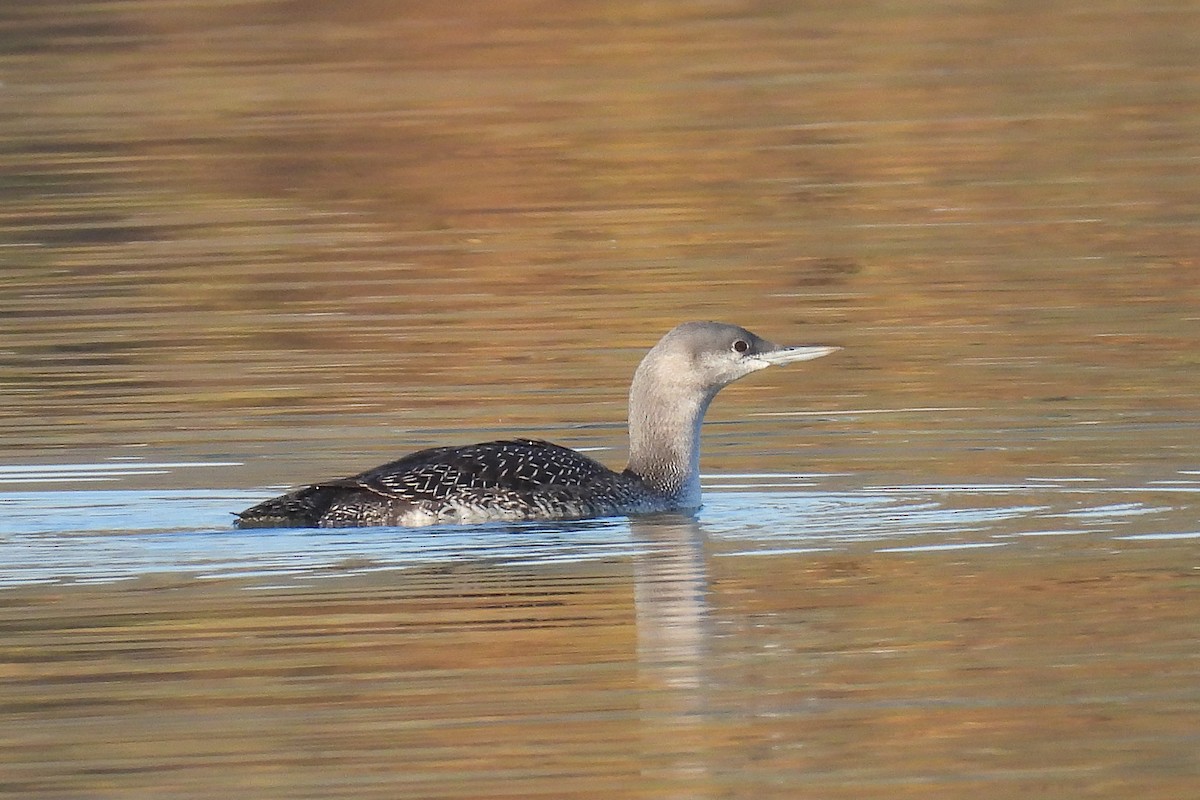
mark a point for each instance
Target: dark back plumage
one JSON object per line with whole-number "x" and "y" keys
{"x": 436, "y": 477}
{"x": 516, "y": 464}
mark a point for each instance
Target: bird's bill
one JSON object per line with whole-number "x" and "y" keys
{"x": 786, "y": 355}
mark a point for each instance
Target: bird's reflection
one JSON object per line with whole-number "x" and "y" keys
{"x": 671, "y": 601}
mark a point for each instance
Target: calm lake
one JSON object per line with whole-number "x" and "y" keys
{"x": 249, "y": 245}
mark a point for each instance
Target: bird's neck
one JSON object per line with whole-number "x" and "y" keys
{"x": 665, "y": 415}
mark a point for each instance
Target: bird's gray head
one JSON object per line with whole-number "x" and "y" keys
{"x": 672, "y": 388}
{"x": 712, "y": 355}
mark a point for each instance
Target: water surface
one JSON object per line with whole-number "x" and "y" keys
{"x": 255, "y": 244}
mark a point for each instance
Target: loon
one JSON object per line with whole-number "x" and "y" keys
{"x": 528, "y": 479}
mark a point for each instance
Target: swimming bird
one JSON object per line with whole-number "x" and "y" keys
{"x": 529, "y": 479}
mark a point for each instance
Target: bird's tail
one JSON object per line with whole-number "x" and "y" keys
{"x": 302, "y": 508}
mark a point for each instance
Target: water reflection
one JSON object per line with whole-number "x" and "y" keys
{"x": 670, "y": 589}
{"x": 670, "y": 596}
{"x": 764, "y": 640}
{"x": 300, "y": 236}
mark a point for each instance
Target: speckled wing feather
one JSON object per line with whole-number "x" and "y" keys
{"x": 512, "y": 479}
{"x": 519, "y": 465}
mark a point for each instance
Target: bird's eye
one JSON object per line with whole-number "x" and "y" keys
{"x": 741, "y": 346}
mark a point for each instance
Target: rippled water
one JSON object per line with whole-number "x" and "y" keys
{"x": 249, "y": 245}
{"x": 106, "y": 535}
{"x": 101, "y": 535}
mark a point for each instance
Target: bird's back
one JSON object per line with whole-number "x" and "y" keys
{"x": 509, "y": 480}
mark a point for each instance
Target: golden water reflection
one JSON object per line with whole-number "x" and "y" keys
{"x": 681, "y": 675}
{"x": 254, "y": 244}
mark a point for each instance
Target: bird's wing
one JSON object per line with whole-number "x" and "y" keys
{"x": 515, "y": 464}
